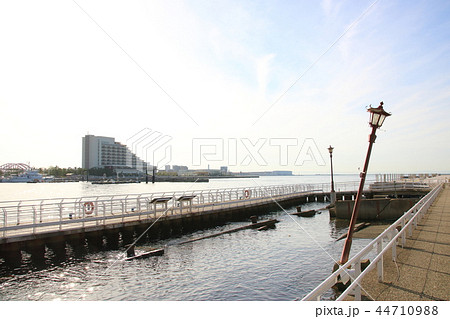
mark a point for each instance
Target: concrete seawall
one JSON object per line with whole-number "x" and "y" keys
{"x": 375, "y": 209}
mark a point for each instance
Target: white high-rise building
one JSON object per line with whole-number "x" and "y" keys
{"x": 101, "y": 152}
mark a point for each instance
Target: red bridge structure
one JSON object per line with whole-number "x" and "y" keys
{"x": 14, "y": 167}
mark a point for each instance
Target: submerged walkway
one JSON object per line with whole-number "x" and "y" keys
{"x": 422, "y": 270}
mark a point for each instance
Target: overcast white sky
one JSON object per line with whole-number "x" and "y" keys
{"x": 197, "y": 70}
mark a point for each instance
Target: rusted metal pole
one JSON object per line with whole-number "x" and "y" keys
{"x": 348, "y": 241}
{"x": 332, "y": 179}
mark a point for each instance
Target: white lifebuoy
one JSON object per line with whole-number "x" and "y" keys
{"x": 89, "y": 207}
{"x": 246, "y": 193}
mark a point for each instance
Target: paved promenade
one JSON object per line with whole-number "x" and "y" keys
{"x": 422, "y": 270}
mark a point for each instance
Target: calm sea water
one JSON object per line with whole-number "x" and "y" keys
{"x": 22, "y": 191}
{"x": 284, "y": 263}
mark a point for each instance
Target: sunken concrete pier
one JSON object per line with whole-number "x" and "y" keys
{"x": 374, "y": 209}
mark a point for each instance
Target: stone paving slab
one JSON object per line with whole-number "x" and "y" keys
{"x": 422, "y": 269}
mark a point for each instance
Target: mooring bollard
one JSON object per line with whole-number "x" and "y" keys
{"x": 254, "y": 219}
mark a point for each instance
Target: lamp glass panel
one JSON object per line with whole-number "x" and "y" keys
{"x": 375, "y": 118}
{"x": 381, "y": 121}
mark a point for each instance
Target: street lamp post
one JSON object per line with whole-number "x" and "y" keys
{"x": 332, "y": 193}
{"x": 153, "y": 176}
{"x": 377, "y": 117}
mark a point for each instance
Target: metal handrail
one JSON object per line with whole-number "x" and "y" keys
{"x": 351, "y": 269}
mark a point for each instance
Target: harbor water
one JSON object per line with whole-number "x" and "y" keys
{"x": 284, "y": 263}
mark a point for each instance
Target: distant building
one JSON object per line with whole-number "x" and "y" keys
{"x": 282, "y": 173}
{"x": 101, "y": 152}
{"x": 179, "y": 168}
{"x": 268, "y": 173}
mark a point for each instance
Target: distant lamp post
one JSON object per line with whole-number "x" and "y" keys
{"x": 332, "y": 193}
{"x": 154, "y": 175}
{"x": 377, "y": 117}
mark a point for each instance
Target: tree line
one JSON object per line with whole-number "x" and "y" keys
{"x": 63, "y": 172}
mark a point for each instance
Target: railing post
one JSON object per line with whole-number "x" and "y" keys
{"x": 79, "y": 209}
{"x": 34, "y": 220}
{"x": 357, "y": 290}
{"x": 60, "y": 214}
{"x": 83, "y": 216}
{"x": 112, "y": 209}
{"x": 404, "y": 231}
{"x": 149, "y": 206}
{"x": 96, "y": 211}
{"x": 138, "y": 203}
{"x": 104, "y": 212}
{"x": 18, "y": 213}
{"x": 394, "y": 245}
{"x": 40, "y": 211}
{"x": 123, "y": 210}
{"x": 74, "y": 210}
{"x": 173, "y": 203}
{"x": 380, "y": 269}
{"x": 154, "y": 210}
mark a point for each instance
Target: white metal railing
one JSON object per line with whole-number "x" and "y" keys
{"x": 389, "y": 239}
{"x": 401, "y": 185}
{"x": 30, "y": 216}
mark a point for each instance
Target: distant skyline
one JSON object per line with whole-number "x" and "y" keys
{"x": 252, "y": 85}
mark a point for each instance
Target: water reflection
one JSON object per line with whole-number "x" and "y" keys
{"x": 338, "y": 227}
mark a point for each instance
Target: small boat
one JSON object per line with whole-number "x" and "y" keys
{"x": 306, "y": 213}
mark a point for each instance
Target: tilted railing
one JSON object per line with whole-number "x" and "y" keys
{"x": 389, "y": 239}
{"x": 20, "y": 217}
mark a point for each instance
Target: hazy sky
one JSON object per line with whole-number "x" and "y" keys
{"x": 255, "y": 85}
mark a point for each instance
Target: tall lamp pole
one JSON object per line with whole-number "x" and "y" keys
{"x": 377, "y": 117}
{"x": 154, "y": 175}
{"x": 332, "y": 193}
